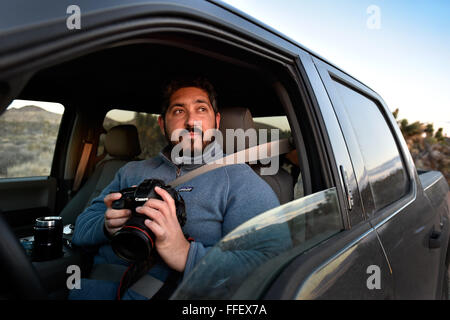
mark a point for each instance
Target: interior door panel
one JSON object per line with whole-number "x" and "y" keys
{"x": 22, "y": 200}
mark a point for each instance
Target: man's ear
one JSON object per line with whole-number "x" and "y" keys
{"x": 161, "y": 124}
{"x": 217, "y": 120}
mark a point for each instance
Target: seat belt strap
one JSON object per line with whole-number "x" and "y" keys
{"x": 260, "y": 152}
{"x": 87, "y": 147}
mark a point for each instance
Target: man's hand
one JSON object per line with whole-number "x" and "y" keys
{"x": 170, "y": 242}
{"x": 114, "y": 219}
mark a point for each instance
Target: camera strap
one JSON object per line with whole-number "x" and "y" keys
{"x": 136, "y": 278}
{"x": 135, "y": 272}
{"x": 253, "y": 154}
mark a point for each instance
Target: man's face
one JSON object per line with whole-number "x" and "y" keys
{"x": 189, "y": 109}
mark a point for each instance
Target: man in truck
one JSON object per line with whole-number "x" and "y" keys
{"x": 216, "y": 202}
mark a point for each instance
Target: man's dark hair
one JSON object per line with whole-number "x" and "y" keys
{"x": 184, "y": 82}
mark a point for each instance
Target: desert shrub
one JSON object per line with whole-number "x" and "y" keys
{"x": 26, "y": 148}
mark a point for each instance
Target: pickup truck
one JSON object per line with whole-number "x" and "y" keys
{"x": 363, "y": 223}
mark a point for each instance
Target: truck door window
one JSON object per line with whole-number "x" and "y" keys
{"x": 382, "y": 161}
{"x": 252, "y": 255}
{"x": 28, "y": 132}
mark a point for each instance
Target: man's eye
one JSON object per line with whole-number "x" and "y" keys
{"x": 202, "y": 109}
{"x": 178, "y": 111}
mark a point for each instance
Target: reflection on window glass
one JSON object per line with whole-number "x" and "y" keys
{"x": 28, "y": 132}
{"x": 150, "y": 136}
{"x": 387, "y": 176}
{"x": 280, "y": 122}
{"x": 243, "y": 263}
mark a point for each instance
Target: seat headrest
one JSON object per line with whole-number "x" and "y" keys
{"x": 235, "y": 118}
{"x": 122, "y": 142}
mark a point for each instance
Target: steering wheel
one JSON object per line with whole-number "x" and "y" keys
{"x": 17, "y": 268}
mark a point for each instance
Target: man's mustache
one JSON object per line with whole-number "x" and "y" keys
{"x": 194, "y": 129}
{"x": 188, "y": 130}
{"x": 179, "y": 134}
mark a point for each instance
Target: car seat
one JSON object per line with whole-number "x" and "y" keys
{"x": 240, "y": 117}
{"x": 121, "y": 146}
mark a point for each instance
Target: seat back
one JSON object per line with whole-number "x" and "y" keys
{"x": 241, "y": 118}
{"x": 121, "y": 146}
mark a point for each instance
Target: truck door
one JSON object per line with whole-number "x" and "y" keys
{"x": 387, "y": 183}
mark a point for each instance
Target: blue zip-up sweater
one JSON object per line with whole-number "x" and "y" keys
{"x": 216, "y": 203}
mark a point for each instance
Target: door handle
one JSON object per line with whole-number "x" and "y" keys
{"x": 435, "y": 240}
{"x": 348, "y": 191}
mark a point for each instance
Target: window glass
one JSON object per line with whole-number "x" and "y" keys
{"x": 150, "y": 136}
{"x": 382, "y": 161}
{"x": 28, "y": 132}
{"x": 247, "y": 259}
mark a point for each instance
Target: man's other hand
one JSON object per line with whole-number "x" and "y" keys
{"x": 114, "y": 219}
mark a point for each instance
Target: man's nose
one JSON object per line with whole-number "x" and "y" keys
{"x": 189, "y": 119}
{"x": 192, "y": 121}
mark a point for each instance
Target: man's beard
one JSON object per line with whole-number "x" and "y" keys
{"x": 190, "y": 151}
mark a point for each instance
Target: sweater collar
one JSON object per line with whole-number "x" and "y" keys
{"x": 212, "y": 152}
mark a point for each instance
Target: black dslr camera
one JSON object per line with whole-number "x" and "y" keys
{"x": 135, "y": 242}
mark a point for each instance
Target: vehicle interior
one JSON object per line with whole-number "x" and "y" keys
{"x": 130, "y": 77}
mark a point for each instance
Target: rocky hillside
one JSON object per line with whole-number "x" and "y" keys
{"x": 30, "y": 114}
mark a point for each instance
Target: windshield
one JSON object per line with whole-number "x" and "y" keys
{"x": 246, "y": 260}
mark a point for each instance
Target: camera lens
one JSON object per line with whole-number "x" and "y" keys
{"x": 132, "y": 245}
{"x": 133, "y": 242}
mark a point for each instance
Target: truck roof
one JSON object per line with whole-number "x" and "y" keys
{"x": 17, "y": 16}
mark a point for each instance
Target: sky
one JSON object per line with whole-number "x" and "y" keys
{"x": 399, "y": 48}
